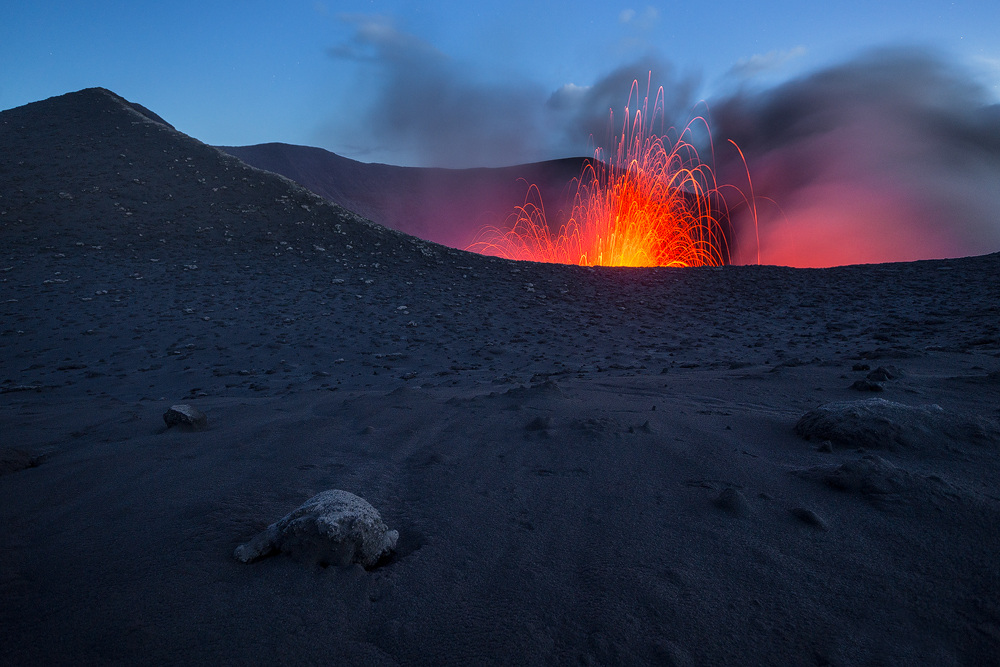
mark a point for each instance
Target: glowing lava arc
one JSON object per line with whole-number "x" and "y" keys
{"x": 653, "y": 202}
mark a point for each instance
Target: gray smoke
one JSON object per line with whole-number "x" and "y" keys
{"x": 893, "y": 156}
{"x": 592, "y": 116}
{"x": 431, "y": 111}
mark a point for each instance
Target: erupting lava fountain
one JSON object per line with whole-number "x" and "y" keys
{"x": 653, "y": 202}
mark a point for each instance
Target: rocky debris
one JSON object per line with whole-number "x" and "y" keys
{"x": 539, "y": 424}
{"x": 880, "y": 482}
{"x": 876, "y": 423}
{"x": 185, "y": 415}
{"x": 866, "y": 385}
{"x": 332, "y": 528}
{"x": 20, "y": 387}
{"x": 13, "y": 459}
{"x": 883, "y": 373}
{"x": 808, "y": 517}
{"x": 547, "y": 389}
{"x": 732, "y": 501}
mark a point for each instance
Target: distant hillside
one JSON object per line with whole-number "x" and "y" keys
{"x": 444, "y": 205}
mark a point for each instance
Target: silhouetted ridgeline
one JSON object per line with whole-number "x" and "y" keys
{"x": 447, "y": 206}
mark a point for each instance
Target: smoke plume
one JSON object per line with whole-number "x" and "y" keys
{"x": 429, "y": 110}
{"x": 894, "y": 156}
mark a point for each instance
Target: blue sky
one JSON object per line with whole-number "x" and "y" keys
{"x": 322, "y": 73}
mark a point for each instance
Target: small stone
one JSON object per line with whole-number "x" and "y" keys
{"x": 539, "y": 424}
{"x": 185, "y": 415}
{"x": 825, "y": 447}
{"x": 883, "y": 373}
{"x": 13, "y": 459}
{"x": 860, "y": 367}
{"x": 866, "y": 385}
{"x": 808, "y": 517}
{"x": 732, "y": 501}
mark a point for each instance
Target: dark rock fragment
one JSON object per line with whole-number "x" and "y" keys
{"x": 866, "y": 385}
{"x": 185, "y": 415}
{"x": 539, "y": 424}
{"x": 876, "y": 423}
{"x": 808, "y": 517}
{"x": 883, "y": 373}
{"x": 732, "y": 501}
{"x": 881, "y": 483}
{"x": 13, "y": 459}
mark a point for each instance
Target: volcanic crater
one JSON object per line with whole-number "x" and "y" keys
{"x": 559, "y": 447}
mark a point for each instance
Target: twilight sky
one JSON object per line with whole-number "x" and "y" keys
{"x": 452, "y": 83}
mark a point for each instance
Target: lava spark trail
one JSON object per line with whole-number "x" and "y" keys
{"x": 652, "y": 202}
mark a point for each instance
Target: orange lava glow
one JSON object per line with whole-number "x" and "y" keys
{"x": 651, "y": 202}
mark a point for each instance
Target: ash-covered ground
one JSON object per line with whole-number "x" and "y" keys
{"x": 585, "y": 466}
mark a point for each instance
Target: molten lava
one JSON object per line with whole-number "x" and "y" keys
{"x": 652, "y": 202}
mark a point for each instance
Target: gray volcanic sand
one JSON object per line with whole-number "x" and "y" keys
{"x": 554, "y": 444}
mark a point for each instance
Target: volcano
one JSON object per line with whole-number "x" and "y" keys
{"x": 705, "y": 466}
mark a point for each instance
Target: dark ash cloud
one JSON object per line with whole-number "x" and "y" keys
{"x": 893, "y": 156}
{"x": 430, "y": 109}
{"x": 598, "y": 111}
{"x": 435, "y": 112}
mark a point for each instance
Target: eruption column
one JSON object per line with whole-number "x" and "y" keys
{"x": 651, "y": 202}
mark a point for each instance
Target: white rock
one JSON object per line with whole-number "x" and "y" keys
{"x": 332, "y": 528}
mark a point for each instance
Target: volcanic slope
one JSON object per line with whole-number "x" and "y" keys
{"x": 585, "y": 466}
{"x": 444, "y": 205}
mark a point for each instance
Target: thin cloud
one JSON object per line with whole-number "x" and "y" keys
{"x": 644, "y": 20}
{"x": 757, "y": 64}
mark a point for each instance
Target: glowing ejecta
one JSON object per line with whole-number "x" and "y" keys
{"x": 653, "y": 202}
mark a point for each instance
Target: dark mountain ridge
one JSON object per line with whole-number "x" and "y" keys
{"x": 447, "y": 206}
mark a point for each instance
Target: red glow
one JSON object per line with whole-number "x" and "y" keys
{"x": 652, "y": 202}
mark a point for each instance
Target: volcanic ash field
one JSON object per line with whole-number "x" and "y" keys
{"x": 584, "y": 466}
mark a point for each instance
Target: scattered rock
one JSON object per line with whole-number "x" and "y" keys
{"x": 732, "y": 501}
{"x": 643, "y": 428}
{"x": 826, "y": 447}
{"x": 185, "y": 415}
{"x": 20, "y": 387}
{"x": 876, "y": 423}
{"x": 539, "y": 424}
{"x": 13, "y": 459}
{"x": 860, "y": 367}
{"x": 71, "y": 367}
{"x": 808, "y": 517}
{"x": 547, "y": 389}
{"x": 880, "y": 482}
{"x": 332, "y": 528}
{"x": 866, "y": 385}
{"x": 883, "y": 373}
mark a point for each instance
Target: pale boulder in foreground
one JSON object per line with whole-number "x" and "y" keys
{"x": 332, "y": 528}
